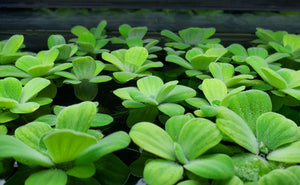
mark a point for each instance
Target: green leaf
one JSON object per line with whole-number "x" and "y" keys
{"x": 12, "y": 147}
{"x": 32, "y": 133}
{"x": 292, "y": 92}
{"x": 249, "y": 105}
{"x": 164, "y": 90}
{"x": 193, "y": 53}
{"x": 291, "y": 40}
{"x": 84, "y": 67}
{"x": 136, "y": 56}
{"x": 162, "y": 172}
{"x": 171, "y": 109}
{"x": 132, "y": 104}
{"x": 65, "y": 145}
{"x": 153, "y": 139}
{"x": 221, "y": 71}
{"x": 140, "y": 97}
{"x": 110, "y": 170}
{"x": 82, "y": 171}
{"x": 101, "y": 120}
{"x": 12, "y": 71}
{"x": 124, "y": 92}
{"x": 13, "y": 44}
{"x": 114, "y": 60}
{"x": 48, "y": 57}
{"x": 55, "y": 40}
{"x": 87, "y": 37}
{"x": 275, "y": 130}
{"x": 279, "y": 177}
{"x": 175, "y": 124}
{"x": 78, "y": 30}
{"x": 32, "y": 88}
{"x": 295, "y": 170}
{"x": 214, "y": 90}
{"x": 124, "y": 76}
{"x": 189, "y": 182}
{"x": 3, "y": 130}
{"x": 256, "y": 51}
{"x": 40, "y": 70}
{"x": 100, "y": 79}
{"x": 201, "y": 62}
{"x": 250, "y": 167}
{"x": 287, "y": 154}
{"x": 171, "y": 35}
{"x": 8, "y": 103}
{"x": 50, "y": 119}
{"x": 275, "y": 57}
{"x": 48, "y": 177}
{"x": 150, "y": 85}
{"x": 111, "y": 143}
{"x": 7, "y": 116}
{"x": 137, "y": 32}
{"x": 10, "y": 88}
{"x": 215, "y": 166}
{"x": 77, "y": 117}
{"x": 273, "y": 78}
{"x": 180, "y": 93}
{"x": 23, "y": 108}
{"x": 257, "y": 63}
{"x": 179, "y": 61}
{"x": 237, "y": 129}
{"x": 100, "y": 28}
{"x": 238, "y": 50}
{"x": 197, "y": 136}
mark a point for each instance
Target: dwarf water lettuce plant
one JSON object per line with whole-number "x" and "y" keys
{"x": 69, "y": 149}
{"x": 129, "y": 64}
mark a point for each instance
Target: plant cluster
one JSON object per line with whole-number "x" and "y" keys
{"x": 185, "y": 111}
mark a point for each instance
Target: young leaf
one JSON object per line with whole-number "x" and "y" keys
{"x": 65, "y": 145}
{"x": 150, "y": 85}
{"x": 48, "y": 177}
{"x": 13, "y": 44}
{"x": 12, "y": 147}
{"x": 164, "y": 90}
{"x": 214, "y": 90}
{"x": 175, "y": 124}
{"x": 77, "y": 117}
{"x": 111, "y": 143}
{"x": 216, "y": 166}
{"x": 162, "y": 172}
{"x": 237, "y": 49}
{"x": 84, "y": 67}
{"x": 136, "y": 56}
{"x": 153, "y": 139}
{"x": 275, "y": 130}
{"x": 55, "y": 40}
{"x": 200, "y": 131}
{"x": 32, "y": 88}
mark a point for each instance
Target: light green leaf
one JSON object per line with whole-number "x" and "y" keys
{"x": 249, "y": 105}
{"x": 275, "y": 57}
{"x": 124, "y": 76}
{"x": 162, "y": 172}
{"x": 12, "y": 147}
{"x": 193, "y": 53}
{"x": 100, "y": 79}
{"x": 279, "y": 177}
{"x": 32, "y": 88}
{"x": 101, "y": 120}
{"x": 137, "y": 32}
{"x": 197, "y": 136}
{"x": 8, "y": 103}
{"x": 257, "y": 63}
{"x": 32, "y": 133}
{"x": 150, "y": 85}
{"x": 237, "y": 129}
{"x": 164, "y": 90}
{"x": 232, "y": 181}
{"x": 273, "y": 78}
{"x": 3, "y": 130}
{"x": 171, "y": 35}
{"x": 111, "y": 143}
{"x": 10, "y": 88}
{"x": 50, "y": 119}
{"x": 175, "y": 124}
{"x": 13, "y": 44}
{"x": 295, "y": 170}
{"x": 114, "y": 60}
{"x": 124, "y": 92}
{"x": 153, "y": 139}
{"x": 275, "y": 130}
{"x": 87, "y": 37}
{"x": 66, "y": 75}
{"x": 148, "y": 66}
{"x": 55, "y": 40}
{"x": 201, "y": 62}
{"x": 291, "y": 40}
{"x": 48, "y": 57}
{"x": 40, "y": 70}
{"x": 180, "y": 93}
{"x": 7, "y": 116}
{"x": 78, "y": 30}
{"x": 84, "y": 67}
{"x": 287, "y": 154}
{"x": 214, "y": 90}
{"x": 171, "y": 109}
{"x": 190, "y": 182}
{"x": 77, "y": 117}
{"x": 221, "y": 71}
{"x": 65, "y": 145}
{"x": 132, "y": 104}
{"x": 256, "y": 51}
{"x": 179, "y": 61}
{"x": 237, "y": 49}
{"x": 215, "y": 166}
{"x": 12, "y": 71}
{"x": 23, "y": 108}
{"x": 136, "y": 56}
{"x": 197, "y": 102}
{"x": 292, "y": 92}
{"x": 140, "y": 97}
{"x": 82, "y": 171}
{"x": 48, "y": 177}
